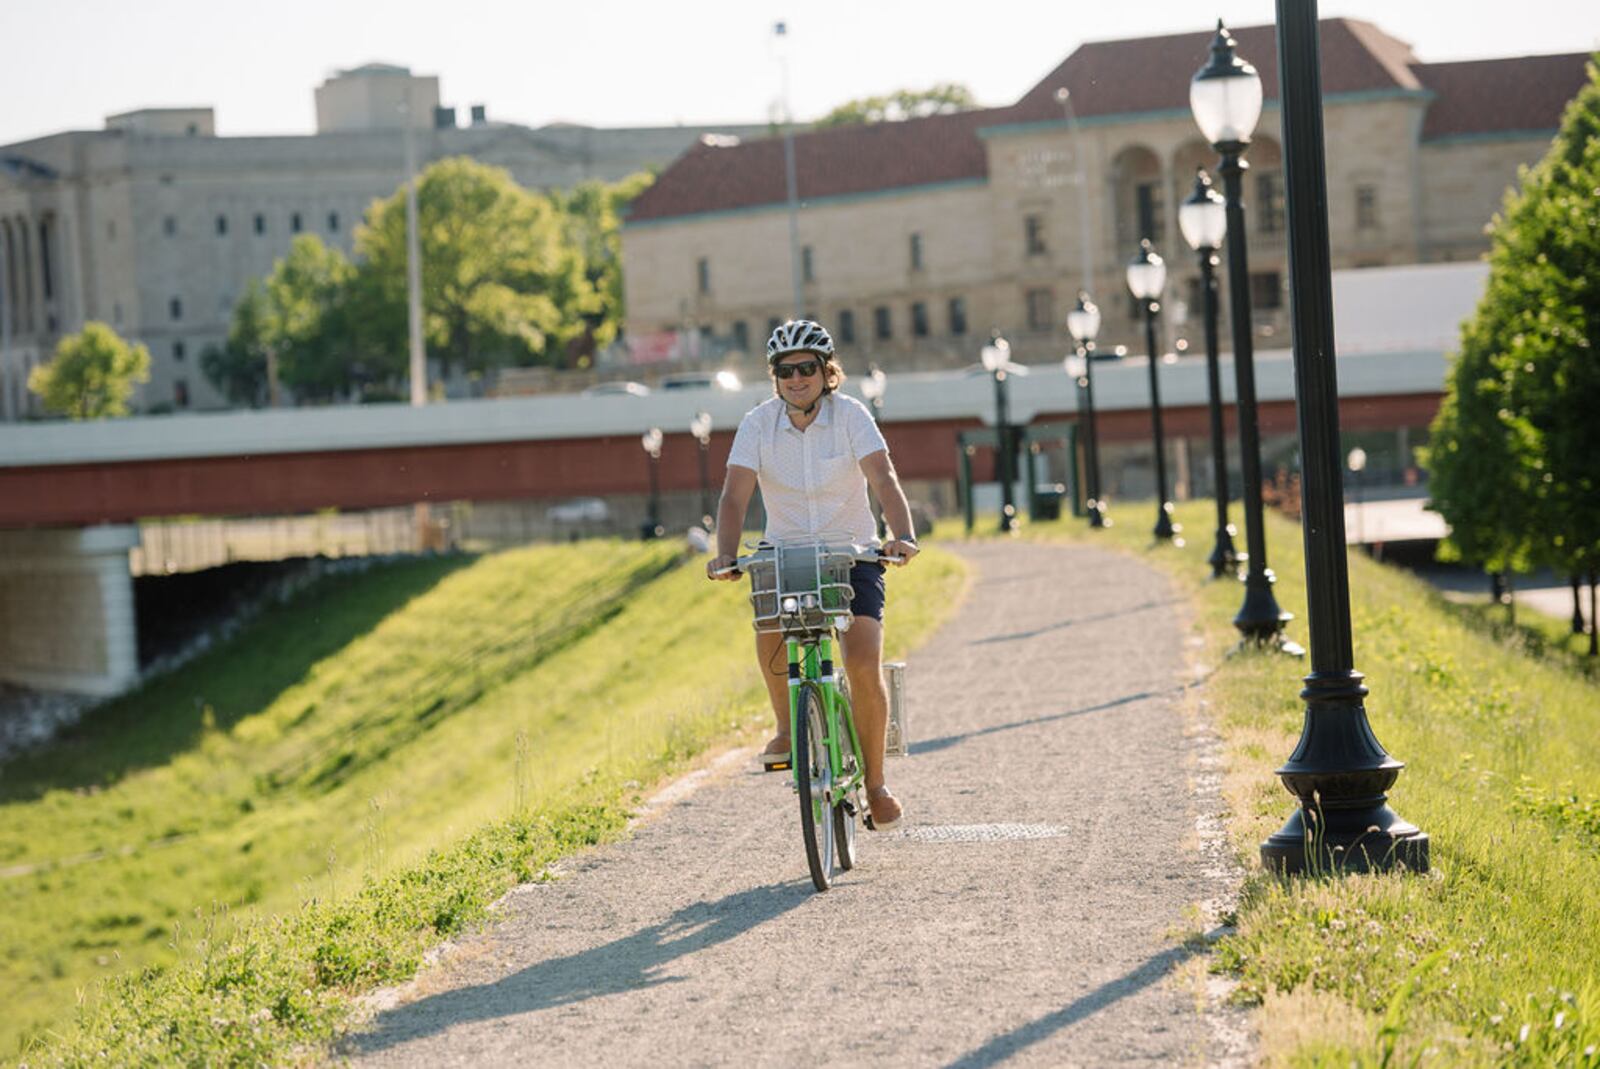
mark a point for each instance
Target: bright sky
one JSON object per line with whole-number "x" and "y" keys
{"x": 69, "y": 63}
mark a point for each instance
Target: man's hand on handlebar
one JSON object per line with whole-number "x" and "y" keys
{"x": 896, "y": 548}
{"x": 722, "y": 568}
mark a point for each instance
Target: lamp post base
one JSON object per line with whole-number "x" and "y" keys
{"x": 1097, "y": 514}
{"x": 1371, "y": 838}
{"x": 1225, "y": 559}
{"x": 1165, "y": 529}
{"x": 1260, "y": 621}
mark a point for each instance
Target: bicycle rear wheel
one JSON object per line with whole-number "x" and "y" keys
{"x": 814, "y": 778}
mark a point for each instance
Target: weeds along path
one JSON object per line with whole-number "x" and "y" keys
{"x": 1033, "y": 911}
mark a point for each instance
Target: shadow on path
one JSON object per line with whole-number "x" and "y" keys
{"x": 1074, "y": 622}
{"x": 631, "y": 963}
{"x": 1005, "y": 1046}
{"x": 944, "y": 742}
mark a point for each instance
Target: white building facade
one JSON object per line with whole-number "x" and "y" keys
{"x": 155, "y": 224}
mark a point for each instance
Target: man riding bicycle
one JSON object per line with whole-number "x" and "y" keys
{"x": 813, "y": 451}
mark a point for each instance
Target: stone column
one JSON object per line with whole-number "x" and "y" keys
{"x": 66, "y": 609}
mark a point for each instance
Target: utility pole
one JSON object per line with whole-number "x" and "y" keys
{"x": 781, "y": 31}
{"x": 419, "y": 362}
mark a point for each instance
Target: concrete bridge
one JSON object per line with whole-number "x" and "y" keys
{"x": 70, "y": 493}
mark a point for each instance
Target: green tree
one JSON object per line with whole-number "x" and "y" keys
{"x": 1516, "y": 458}
{"x": 238, "y": 367}
{"x": 592, "y": 212}
{"x": 941, "y": 99}
{"x": 501, "y": 284}
{"x": 92, "y": 374}
{"x": 308, "y": 322}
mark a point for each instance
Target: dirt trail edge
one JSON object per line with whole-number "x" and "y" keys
{"x": 1062, "y": 838}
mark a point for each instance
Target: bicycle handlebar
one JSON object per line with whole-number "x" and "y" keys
{"x": 862, "y": 554}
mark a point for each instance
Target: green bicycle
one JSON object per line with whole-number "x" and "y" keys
{"x": 803, "y": 590}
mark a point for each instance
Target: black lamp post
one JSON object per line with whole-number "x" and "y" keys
{"x": 651, "y": 440}
{"x": 1083, "y": 323}
{"x": 1203, "y": 218}
{"x": 700, "y": 427}
{"x": 1339, "y": 772}
{"x": 996, "y": 357}
{"x": 1225, "y": 97}
{"x": 1147, "y": 277}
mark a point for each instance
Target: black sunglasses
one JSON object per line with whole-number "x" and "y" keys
{"x": 805, "y": 369}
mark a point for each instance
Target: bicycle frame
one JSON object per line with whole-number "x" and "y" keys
{"x": 811, "y": 661}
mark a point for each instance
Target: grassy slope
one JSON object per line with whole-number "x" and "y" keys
{"x": 370, "y": 722}
{"x": 1492, "y": 958}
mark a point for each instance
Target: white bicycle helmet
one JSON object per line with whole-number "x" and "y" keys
{"x": 799, "y": 336}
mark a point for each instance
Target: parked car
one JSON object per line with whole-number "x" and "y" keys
{"x": 700, "y": 380}
{"x": 605, "y": 389}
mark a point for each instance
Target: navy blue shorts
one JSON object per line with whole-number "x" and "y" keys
{"x": 866, "y": 580}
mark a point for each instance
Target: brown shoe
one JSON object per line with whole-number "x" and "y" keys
{"x": 776, "y": 754}
{"x": 886, "y": 811}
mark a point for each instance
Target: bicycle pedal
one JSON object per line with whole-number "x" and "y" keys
{"x": 784, "y": 767}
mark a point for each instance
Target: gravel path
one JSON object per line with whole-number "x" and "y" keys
{"x": 1061, "y": 829}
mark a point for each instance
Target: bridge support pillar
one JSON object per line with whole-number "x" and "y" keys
{"x": 66, "y": 609}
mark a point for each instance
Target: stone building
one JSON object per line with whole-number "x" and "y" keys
{"x": 155, "y": 224}
{"x": 917, "y": 237}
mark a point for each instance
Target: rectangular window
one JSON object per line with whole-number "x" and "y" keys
{"x": 881, "y": 324}
{"x": 261, "y": 223}
{"x": 1266, "y": 291}
{"x": 958, "y": 316}
{"x": 1148, "y": 206}
{"x": 178, "y": 352}
{"x": 222, "y": 225}
{"x": 916, "y": 252}
{"x": 1366, "y": 207}
{"x": 702, "y": 275}
{"x": 847, "y": 327}
{"x": 180, "y": 393}
{"x": 741, "y": 335}
{"x": 919, "y": 319}
{"x": 111, "y": 230}
{"x": 1195, "y": 288}
{"x": 807, "y": 273}
{"x": 333, "y": 222}
{"x": 294, "y": 223}
{"x": 169, "y": 226}
{"x": 1269, "y": 196}
{"x": 175, "y": 307}
{"x": 1041, "y": 309}
{"x": 1033, "y": 233}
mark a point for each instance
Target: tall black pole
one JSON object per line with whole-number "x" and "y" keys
{"x": 1224, "y": 558}
{"x": 1339, "y": 772}
{"x": 1259, "y": 618}
{"x": 1008, "y": 507}
{"x": 1097, "y": 503}
{"x": 1577, "y": 604}
{"x": 1163, "y": 529}
{"x": 706, "y": 518}
{"x": 653, "y": 527}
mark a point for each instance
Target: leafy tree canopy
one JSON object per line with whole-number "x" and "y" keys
{"x": 92, "y": 374}
{"x": 1515, "y": 460}
{"x": 501, "y": 285}
{"x": 942, "y": 99}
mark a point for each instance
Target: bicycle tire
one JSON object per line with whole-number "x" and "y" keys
{"x": 844, "y": 817}
{"x": 812, "y": 777}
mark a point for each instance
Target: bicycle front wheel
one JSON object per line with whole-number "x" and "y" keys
{"x": 814, "y": 778}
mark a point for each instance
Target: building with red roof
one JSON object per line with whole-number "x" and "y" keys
{"x": 919, "y": 236}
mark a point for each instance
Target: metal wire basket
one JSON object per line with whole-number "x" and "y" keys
{"x": 801, "y": 589}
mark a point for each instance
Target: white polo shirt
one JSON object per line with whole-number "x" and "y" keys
{"x": 811, "y": 480}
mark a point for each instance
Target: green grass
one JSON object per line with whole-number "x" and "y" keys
{"x": 1493, "y": 958}
{"x": 242, "y": 847}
